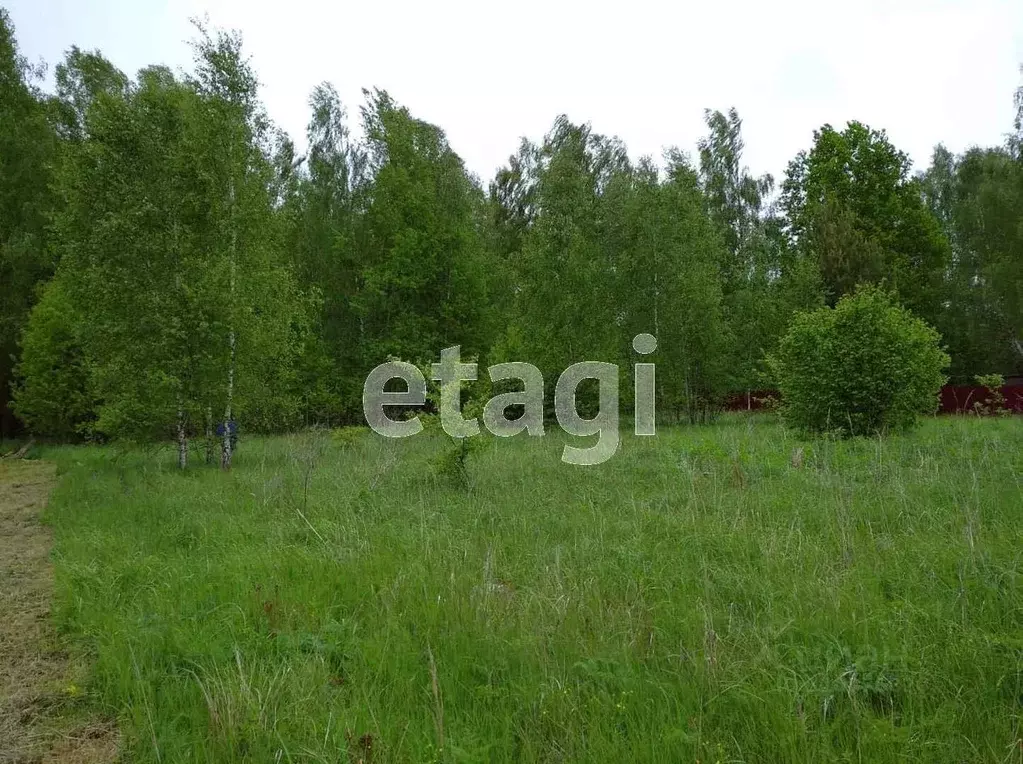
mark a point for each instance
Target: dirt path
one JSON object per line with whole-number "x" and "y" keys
{"x": 39, "y": 722}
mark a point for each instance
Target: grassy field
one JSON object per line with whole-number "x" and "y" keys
{"x": 707, "y": 595}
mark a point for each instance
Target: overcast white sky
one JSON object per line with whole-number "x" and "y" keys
{"x": 928, "y": 71}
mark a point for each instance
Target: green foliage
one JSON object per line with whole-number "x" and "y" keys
{"x": 566, "y": 276}
{"x": 322, "y": 204}
{"x": 864, "y": 367}
{"x": 977, "y": 197}
{"x": 453, "y": 463}
{"x": 761, "y": 284}
{"x": 54, "y": 396}
{"x": 852, "y": 208}
{"x": 388, "y": 232}
{"x": 165, "y": 235}
{"x": 994, "y": 403}
{"x": 422, "y": 260}
{"x": 81, "y": 78}
{"x": 210, "y": 266}
{"x": 347, "y": 437}
{"x": 609, "y": 250}
{"x": 27, "y": 151}
{"x": 126, "y": 202}
{"x": 678, "y": 295}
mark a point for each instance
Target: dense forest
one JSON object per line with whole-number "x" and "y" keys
{"x": 169, "y": 260}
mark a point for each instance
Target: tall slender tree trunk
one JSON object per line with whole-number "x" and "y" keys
{"x": 209, "y": 434}
{"x": 182, "y": 437}
{"x": 657, "y": 323}
{"x": 225, "y": 457}
{"x": 182, "y": 415}
{"x": 6, "y": 415}
{"x": 657, "y": 288}
{"x": 226, "y": 452}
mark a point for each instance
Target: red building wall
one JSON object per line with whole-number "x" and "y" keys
{"x": 955, "y": 399}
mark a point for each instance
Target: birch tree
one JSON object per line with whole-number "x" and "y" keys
{"x": 422, "y": 260}
{"x": 128, "y": 258}
{"x": 739, "y": 206}
{"x": 322, "y": 217}
{"x": 248, "y": 288}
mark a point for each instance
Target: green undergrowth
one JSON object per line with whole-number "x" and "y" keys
{"x": 715, "y": 594}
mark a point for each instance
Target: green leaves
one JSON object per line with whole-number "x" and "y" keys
{"x": 27, "y": 149}
{"x": 422, "y": 267}
{"x": 756, "y": 297}
{"x": 597, "y": 250}
{"x": 864, "y": 367}
{"x": 209, "y": 266}
{"x": 168, "y": 260}
{"x": 979, "y": 196}
{"x": 55, "y": 396}
{"x": 851, "y": 207}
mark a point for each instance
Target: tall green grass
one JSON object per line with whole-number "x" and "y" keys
{"x": 698, "y": 597}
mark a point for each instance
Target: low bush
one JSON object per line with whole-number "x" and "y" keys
{"x": 865, "y": 366}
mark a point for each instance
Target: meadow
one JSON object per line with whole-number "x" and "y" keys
{"x": 726, "y": 593}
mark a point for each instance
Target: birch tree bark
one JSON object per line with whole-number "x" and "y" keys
{"x": 209, "y": 434}
{"x": 182, "y": 438}
{"x": 225, "y": 458}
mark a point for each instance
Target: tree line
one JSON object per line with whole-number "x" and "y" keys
{"x": 169, "y": 262}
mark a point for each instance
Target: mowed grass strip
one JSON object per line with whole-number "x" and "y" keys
{"x": 724, "y": 593}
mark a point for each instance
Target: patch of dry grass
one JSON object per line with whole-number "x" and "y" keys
{"x": 37, "y": 698}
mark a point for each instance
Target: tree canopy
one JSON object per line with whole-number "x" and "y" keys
{"x": 170, "y": 262}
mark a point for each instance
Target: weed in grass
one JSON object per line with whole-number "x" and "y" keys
{"x": 453, "y": 463}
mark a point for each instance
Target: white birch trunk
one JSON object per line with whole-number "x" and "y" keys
{"x": 182, "y": 439}
{"x": 657, "y": 324}
{"x": 225, "y": 458}
{"x": 209, "y": 434}
{"x": 182, "y": 430}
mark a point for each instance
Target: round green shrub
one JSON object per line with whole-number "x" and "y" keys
{"x": 865, "y": 366}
